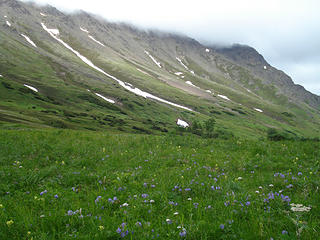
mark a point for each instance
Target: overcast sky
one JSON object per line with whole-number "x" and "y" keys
{"x": 285, "y": 32}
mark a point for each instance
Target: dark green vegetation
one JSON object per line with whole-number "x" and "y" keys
{"x": 64, "y": 184}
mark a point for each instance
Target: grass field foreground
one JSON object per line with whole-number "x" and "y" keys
{"x": 64, "y": 184}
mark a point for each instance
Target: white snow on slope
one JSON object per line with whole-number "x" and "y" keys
{"x": 84, "y": 30}
{"x": 29, "y": 40}
{"x": 180, "y": 61}
{"x": 224, "y": 97}
{"x": 265, "y": 67}
{"x": 96, "y": 41}
{"x": 43, "y": 15}
{"x": 9, "y": 24}
{"x": 153, "y": 59}
{"x": 136, "y": 91}
{"x": 30, "y": 87}
{"x": 104, "y": 98}
{"x": 5, "y": 16}
{"x": 258, "y": 110}
{"x": 182, "y": 123}
{"x": 207, "y": 50}
{"x": 178, "y": 73}
{"x": 1, "y": 75}
{"x": 208, "y": 91}
{"x": 191, "y": 84}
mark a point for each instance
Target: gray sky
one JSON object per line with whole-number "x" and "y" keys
{"x": 285, "y": 32}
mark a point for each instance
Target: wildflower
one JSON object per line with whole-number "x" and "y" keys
{"x": 1, "y": 206}
{"x": 189, "y": 199}
{"x": 222, "y": 226}
{"x": 183, "y": 233}
{"x": 138, "y": 224}
{"x": 56, "y": 196}
{"x": 145, "y": 184}
{"x": 118, "y": 230}
{"x": 270, "y": 185}
{"x": 29, "y": 233}
{"x": 124, "y": 205}
{"x": 45, "y": 191}
{"x": 248, "y": 203}
{"x": 168, "y": 221}
{"x": 195, "y": 205}
{"x": 153, "y": 186}
{"x": 299, "y": 173}
{"x": 144, "y": 195}
{"x": 187, "y": 189}
{"x": 97, "y": 199}
{"x": 176, "y": 213}
{"x": 9, "y": 223}
{"x": 70, "y": 213}
{"x": 240, "y": 178}
{"x": 151, "y": 201}
{"x": 299, "y": 208}
{"x": 290, "y": 186}
{"x": 284, "y": 232}
{"x": 257, "y": 191}
{"x": 101, "y": 228}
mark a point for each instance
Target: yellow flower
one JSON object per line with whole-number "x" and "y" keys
{"x": 28, "y": 232}
{"x": 62, "y": 163}
{"x": 101, "y": 228}
{"x": 1, "y": 206}
{"x": 9, "y": 223}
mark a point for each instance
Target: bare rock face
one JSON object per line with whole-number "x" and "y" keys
{"x": 248, "y": 57}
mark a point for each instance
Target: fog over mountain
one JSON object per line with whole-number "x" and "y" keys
{"x": 285, "y": 32}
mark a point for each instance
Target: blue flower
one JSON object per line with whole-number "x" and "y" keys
{"x": 222, "y": 226}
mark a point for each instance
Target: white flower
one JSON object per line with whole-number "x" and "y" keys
{"x": 260, "y": 187}
{"x": 299, "y": 208}
{"x": 239, "y": 178}
{"x": 125, "y": 205}
{"x": 257, "y": 191}
{"x": 270, "y": 185}
{"x": 151, "y": 201}
{"x": 189, "y": 199}
{"x": 176, "y": 213}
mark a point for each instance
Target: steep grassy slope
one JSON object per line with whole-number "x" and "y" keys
{"x": 219, "y": 87}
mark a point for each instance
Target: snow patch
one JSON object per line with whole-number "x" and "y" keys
{"x": 104, "y": 98}
{"x": 182, "y": 123}
{"x": 207, "y": 50}
{"x": 208, "y": 91}
{"x": 29, "y": 40}
{"x": 258, "y": 110}
{"x": 224, "y": 97}
{"x": 180, "y": 61}
{"x": 43, "y": 15}
{"x": 8, "y": 23}
{"x": 30, "y": 87}
{"x": 84, "y": 30}
{"x": 178, "y": 73}
{"x": 5, "y": 16}
{"x": 96, "y": 41}
{"x": 249, "y": 90}
{"x": 153, "y": 59}
{"x": 132, "y": 89}
{"x": 265, "y": 67}
{"x": 1, "y": 75}
{"x": 191, "y": 84}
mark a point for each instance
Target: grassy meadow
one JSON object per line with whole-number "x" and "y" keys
{"x": 66, "y": 184}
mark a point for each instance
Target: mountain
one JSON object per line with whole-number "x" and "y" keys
{"x": 79, "y": 71}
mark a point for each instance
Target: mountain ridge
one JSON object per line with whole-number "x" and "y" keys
{"x": 173, "y": 67}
